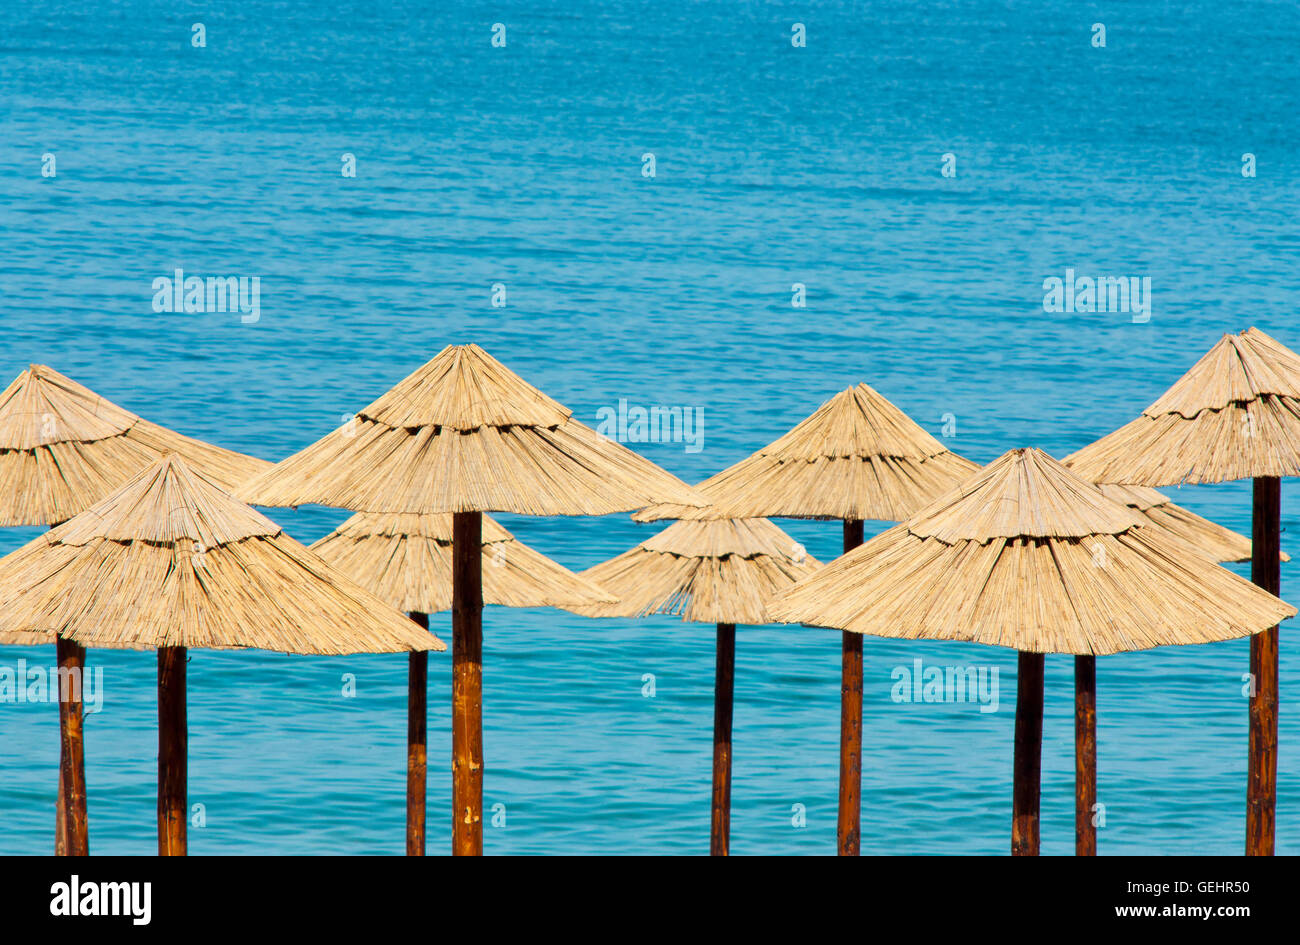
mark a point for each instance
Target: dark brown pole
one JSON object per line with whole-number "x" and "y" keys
{"x": 72, "y": 754}
{"x": 60, "y": 806}
{"x": 1085, "y": 755}
{"x": 1265, "y": 570}
{"x": 723, "y": 684}
{"x": 1028, "y": 755}
{"x": 172, "y": 751}
{"x": 467, "y": 684}
{"x": 417, "y": 755}
{"x": 848, "y": 831}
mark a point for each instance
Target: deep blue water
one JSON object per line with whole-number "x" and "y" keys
{"x": 774, "y": 165}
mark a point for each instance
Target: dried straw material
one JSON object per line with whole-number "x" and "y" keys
{"x": 463, "y": 433}
{"x": 1208, "y": 538}
{"x": 1030, "y": 556}
{"x": 406, "y": 559}
{"x": 713, "y": 571}
{"x": 1234, "y": 415}
{"x": 63, "y": 448}
{"x": 171, "y": 560}
{"x": 856, "y": 457}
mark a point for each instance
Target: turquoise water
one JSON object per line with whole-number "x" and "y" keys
{"x": 775, "y": 165}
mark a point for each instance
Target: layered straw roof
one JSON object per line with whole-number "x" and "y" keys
{"x": 171, "y": 560}
{"x": 406, "y": 559}
{"x": 1209, "y": 538}
{"x": 63, "y": 448}
{"x": 856, "y": 457}
{"x": 714, "y": 571}
{"x": 1234, "y": 415}
{"x": 1028, "y": 555}
{"x": 463, "y": 433}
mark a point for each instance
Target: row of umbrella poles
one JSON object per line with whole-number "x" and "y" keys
{"x": 463, "y": 435}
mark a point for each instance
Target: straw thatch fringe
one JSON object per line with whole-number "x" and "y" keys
{"x": 856, "y": 457}
{"x": 1234, "y": 415}
{"x": 718, "y": 571}
{"x": 1207, "y": 537}
{"x": 407, "y": 561}
{"x": 425, "y": 449}
{"x": 63, "y": 448}
{"x": 1084, "y": 594}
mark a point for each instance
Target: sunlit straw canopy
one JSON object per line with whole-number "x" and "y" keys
{"x": 1028, "y": 555}
{"x": 1234, "y": 415}
{"x": 713, "y": 571}
{"x": 856, "y": 457}
{"x": 463, "y": 433}
{"x": 171, "y": 560}
{"x": 63, "y": 448}
{"x": 407, "y": 560}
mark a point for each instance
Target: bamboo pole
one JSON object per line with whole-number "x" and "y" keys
{"x": 1028, "y": 755}
{"x": 723, "y": 685}
{"x": 1265, "y": 571}
{"x": 172, "y": 751}
{"x": 1085, "y": 755}
{"x": 848, "y": 834}
{"x": 467, "y": 684}
{"x": 417, "y": 754}
{"x": 72, "y": 755}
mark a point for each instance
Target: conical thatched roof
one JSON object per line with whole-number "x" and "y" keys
{"x": 63, "y": 448}
{"x": 1209, "y": 538}
{"x": 1234, "y": 415}
{"x": 463, "y": 433}
{"x": 1028, "y": 555}
{"x": 856, "y": 457}
{"x": 406, "y": 560}
{"x": 171, "y": 560}
{"x": 713, "y": 571}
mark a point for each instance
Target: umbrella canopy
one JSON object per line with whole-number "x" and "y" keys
{"x": 1211, "y": 539}
{"x": 406, "y": 559}
{"x": 169, "y": 560}
{"x": 464, "y": 433}
{"x": 63, "y": 448}
{"x": 857, "y": 457}
{"x": 710, "y": 571}
{"x": 1234, "y": 415}
{"x": 1029, "y": 555}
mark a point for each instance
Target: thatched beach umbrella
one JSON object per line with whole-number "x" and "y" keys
{"x": 170, "y": 562}
{"x": 63, "y": 448}
{"x": 1234, "y": 415}
{"x": 717, "y": 571}
{"x": 856, "y": 458}
{"x": 464, "y": 434}
{"x": 406, "y": 559}
{"x": 1028, "y": 555}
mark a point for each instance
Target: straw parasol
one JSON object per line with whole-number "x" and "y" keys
{"x": 406, "y": 559}
{"x": 1234, "y": 415}
{"x": 464, "y": 434}
{"x": 1028, "y": 555}
{"x": 170, "y": 562}
{"x": 714, "y": 571}
{"x": 63, "y": 448}
{"x": 857, "y": 457}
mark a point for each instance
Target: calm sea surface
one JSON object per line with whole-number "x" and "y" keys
{"x": 774, "y": 165}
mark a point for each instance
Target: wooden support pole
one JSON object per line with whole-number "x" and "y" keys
{"x": 467, "y": 684}
{"x": 723, "y": 686}
{"x": 1265, "y": 571}
{"x": 849, "y": 826}
{"x": 172, "y": 752}
{"x": 1085, "y": 755}
{"x": 1028, "y": 755}
{"x": 417, "y": 753}
{"x": 72, "y": 757}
